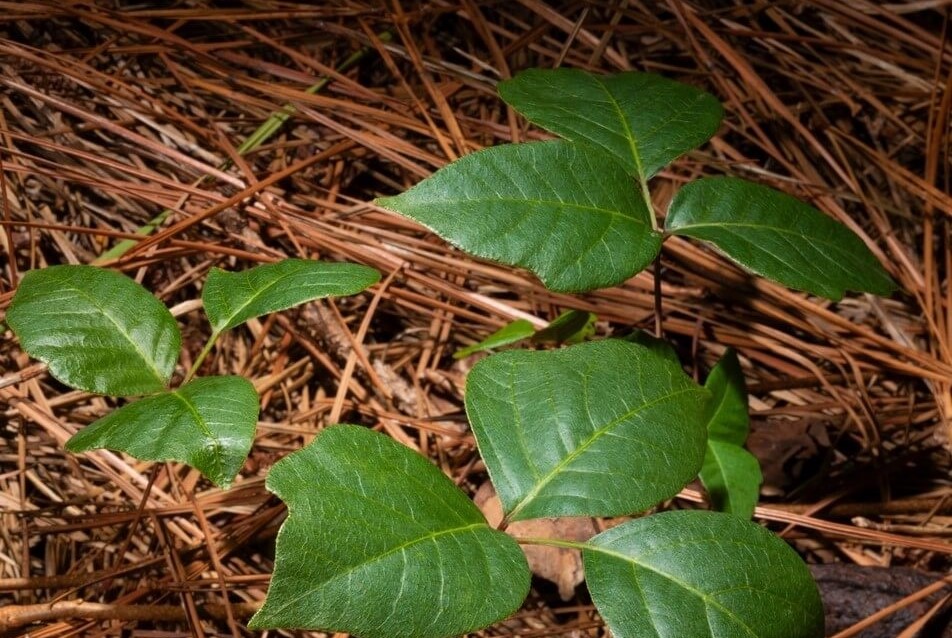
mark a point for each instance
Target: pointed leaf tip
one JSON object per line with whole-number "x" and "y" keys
{"x": 387, "y": 546}
{"x": 96, "y": 329}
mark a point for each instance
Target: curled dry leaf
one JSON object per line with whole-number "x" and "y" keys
{"x": 560, "y": 566}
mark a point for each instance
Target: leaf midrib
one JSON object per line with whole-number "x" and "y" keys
{"x": 197, "y": 418}
{"x": 595, "y": 436}
{"x": 543, "y": 202}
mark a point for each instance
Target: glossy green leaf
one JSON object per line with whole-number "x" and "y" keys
{"x": 777, "y": 236}
{"x": 730, "y": 474}
{"x": 653, "y": 343}
{"x": 232, "y": 298}
{"x": 96, "y": 329}
{"x": 380, "y": 543}
{"x": 510, "y": 333}
{"x": 208, "y": 424}
{"x": 603, "y": 428}
{"x": 566, "y": 212}
{"x": 572, "y": 326}
{"x": 697, "y": 574}
{"x": 643, "y": 120}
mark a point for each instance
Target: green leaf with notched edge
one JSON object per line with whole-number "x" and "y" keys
{"x": 777, "y": 236}
{"x": 380, "y": 543}
{"x": 730, "y": 474}
{"x": 510, "y": 333}
{"x": 208, "y": 424}
{"x": 643, "y": 120}
{"x": 572, "y": 326}
{"x": 697, "y": 574}
{"x": 603, "y": 428}
{"x": 566, "y": 212}
{"x": 232, "y": 298}
{"x": 96, "y": 329}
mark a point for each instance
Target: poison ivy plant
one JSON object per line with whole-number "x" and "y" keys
{"x": 570, "y": 327}
{"x": 512, "y": 332}
{"x": 102, "y": 332}
{"x": 730, "y": 474}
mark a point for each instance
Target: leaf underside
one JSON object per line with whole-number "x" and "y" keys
{"x": 96, "y": 329}
{"x": 683, "y": 574}
{"x": 380, "y": 543}
{"x": 598, "y": 429}
{"x": 643, "y": 120}
{"x": 778, "y": 237}
{"x": 566, "y": 212}
{"x": 231, "y": 298}
{"x": 208, "y": 424}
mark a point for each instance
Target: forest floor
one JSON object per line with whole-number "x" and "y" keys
{"x": 111, "y": 112}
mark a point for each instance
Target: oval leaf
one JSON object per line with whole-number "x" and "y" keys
{"x": 777, "y": 236}
{"x": 208, "y": 424}
{"x": 510, "y": 333}
{"x": 730, "y": 474}
{"x": 96, "y": 329}
{"x": 563, "y": 211}
{"x": 599, "y": 429}
{"x": 644, "y": 120}
{"x": 384, "y": 546}
{"x": 232, "y": 298}
{"x": 656, "y": 576}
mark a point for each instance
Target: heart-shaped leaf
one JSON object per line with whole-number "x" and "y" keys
{"x": 696, "y": 574}
{"x": 566, "y": 212}
{"x": 510, "y": 333}
{"x": 96, "y": 329}
{"x": 208, "y": 424}
{"x": 777, "y": 236}
{"x": 730, "y": 474}
{"x": 644, "y": 120}
{"x": 599, "y": 429}
{"x": 379, "y": 543}
{"x": 232, "y": 298}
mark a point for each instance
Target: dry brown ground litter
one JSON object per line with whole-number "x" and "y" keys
{"x": 111, "y": 112}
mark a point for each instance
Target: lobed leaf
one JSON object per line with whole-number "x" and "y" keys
{"x": 380, "y": 543}
{"x": 643, "y": 120}
{"x": 96, "y": 329}
{"x": 208, "y": 424}
{"x": 777, "y": 236}
{"x": 688, "y": 574}
{"x": 602, "y": 428}
{"x": 565, "y": 212}
{"x": 512, "y": 332}
{"x": 730, "y": 474}
{"x": 231, "y": 298}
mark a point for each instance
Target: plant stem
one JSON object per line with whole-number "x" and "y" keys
{"x": 646, "y": 195}
{"x": 201, "y": 356}
{"x": 658, "y": 300}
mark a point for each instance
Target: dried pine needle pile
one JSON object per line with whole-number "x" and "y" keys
{"x": 113, "y": 112}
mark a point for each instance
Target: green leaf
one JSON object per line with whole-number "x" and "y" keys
{"x": 603, "y": 428}
{"x": 380, "y": 543}
{"x": 777, "y": 236}
{"x": 653, "y": 343}
{"x": 690, "y": 574}
{"x": 96, "y": 329}
{"x": 232, "y": 298}
{"x": 563, "y": 211}
{"x": 572, "y": 326}
{"x": 208, "y": 424}
{"x": 730, "y": 474}
{"x": 512, "y": 332}
{"x": 643, "y": 120}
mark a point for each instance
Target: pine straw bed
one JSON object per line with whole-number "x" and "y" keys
{"x": 110, "y": 114}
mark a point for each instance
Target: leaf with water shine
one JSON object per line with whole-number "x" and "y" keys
{"x": 778, "y": 237}
{"x": 730, "y": 474}
{"x": 208, "y": 424}
{"x": 643, "y": 120}
{"x": 570, "y": 327}
{"x": 231, "y": 298}
{"x": 697, "y": 574}
{"x": 566, "y": 212}
{"x": 603, "y": 428}
{"x": 380, "y": 543}
{"x": 512, "y": 332}
{"x": 96, "y": 329}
